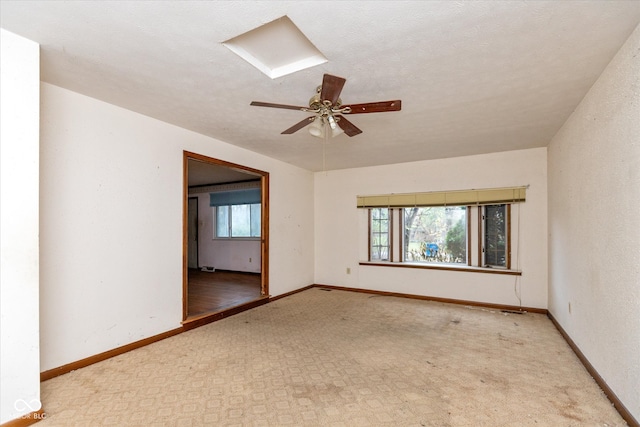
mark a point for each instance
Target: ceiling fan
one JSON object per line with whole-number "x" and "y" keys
{"x": 329, "y": 112}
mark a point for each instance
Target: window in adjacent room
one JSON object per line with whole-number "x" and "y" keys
{"x": 237, "y": 221}
{"x": 435, "y": 234}
{"x": 495, "y": 236}
{"x": 380, "y": 234}
{"x": 237, "y": 212}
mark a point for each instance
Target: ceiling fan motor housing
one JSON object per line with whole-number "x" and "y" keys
{"x": 316, "y": 102}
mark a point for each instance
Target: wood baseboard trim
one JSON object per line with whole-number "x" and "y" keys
{"x": 64, "y": 369}
{"x": 290, "y": 293}
{"x": 513, "y": 308}
{"x": 213, "y": 317}
{"x": 222, "y": 270}
{"x": 27, "y": 419}
{"x": 187, "y": 325}
{"x": 622, "y": 410}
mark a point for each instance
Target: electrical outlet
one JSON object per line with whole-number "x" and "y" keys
{"x": 250, "y": 260}
{"x": 348, "y": 270}
{"x": 569, "y": 308}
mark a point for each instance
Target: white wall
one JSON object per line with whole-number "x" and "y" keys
{"x": 19, "y": 332}
{"x": 594, "y": 225}
{"x": 234, "y": 255}
{"x": 339, "y": 236}
{"x": 111, "y": 224}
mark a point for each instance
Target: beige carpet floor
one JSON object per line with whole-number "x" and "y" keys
{"x": 336, "y": 358}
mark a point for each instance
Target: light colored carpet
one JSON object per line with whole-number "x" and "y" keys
{"x": 336, "y": 358}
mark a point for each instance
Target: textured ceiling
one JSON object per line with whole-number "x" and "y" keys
{"x": 474, "y": 77}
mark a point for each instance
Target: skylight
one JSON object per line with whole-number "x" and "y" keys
{"x": 277, "y": 48}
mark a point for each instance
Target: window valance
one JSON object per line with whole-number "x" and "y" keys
{"x": 490, "y": 196}
{"x": 236, "y": 197}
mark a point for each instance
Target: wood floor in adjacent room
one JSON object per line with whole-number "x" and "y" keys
{"x": 211, "y": 292}
{"x": 338, "y": 358}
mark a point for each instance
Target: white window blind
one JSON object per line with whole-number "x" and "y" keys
{"x": 490, "y": 196}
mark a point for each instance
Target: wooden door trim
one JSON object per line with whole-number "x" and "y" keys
{"x": 264, "y": 239}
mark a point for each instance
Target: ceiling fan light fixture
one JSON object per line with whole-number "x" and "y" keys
{"x": 317, "y": 128}
{"x": 320, "y": 126}
{"x": 332, "y": 122}
{"x": 336, "y": 132}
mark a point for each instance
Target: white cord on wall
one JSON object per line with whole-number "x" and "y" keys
{"x": 516, "y": 284}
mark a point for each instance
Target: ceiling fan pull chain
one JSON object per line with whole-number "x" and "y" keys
{"x": 324, "y": 150}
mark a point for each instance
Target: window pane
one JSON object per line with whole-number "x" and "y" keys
{"x": 435, "y": 234}
{"x": 380, "y": 234}
{"x": 256, "y": 219}
{"x": 495, "y": 235}
{"x": 240, "y": 221}
{"x": 222, "y": 221}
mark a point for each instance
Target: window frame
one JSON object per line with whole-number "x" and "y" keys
{"x": 474, "y": 238}
{"x": 389, "y": 232}
{"x": 482, "y": 219}
{"x": 230, "y": 222}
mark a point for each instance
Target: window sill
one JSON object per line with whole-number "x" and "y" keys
{"x": 239, "y": 239}
{"x": 447, "y": 267}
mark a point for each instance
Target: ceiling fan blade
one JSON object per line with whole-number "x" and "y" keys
{"x": 349, "y": 128}
{"x": 331, "y": 88}
{"x": 268, "y": 104}
{"x": 375, "y": 107}
{"x": 299, "y": 125}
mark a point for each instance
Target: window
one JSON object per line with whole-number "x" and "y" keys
{"x": 435, "y": 234}
{"x": 380, "y": 234}
{"x": 237, "y": 211}
{"x": 237, "y": 221}
{"x": 495, "y": 239}
{"x": 463, "y": 230}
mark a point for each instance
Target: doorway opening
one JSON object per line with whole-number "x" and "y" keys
{"x": 225, "y": 238}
